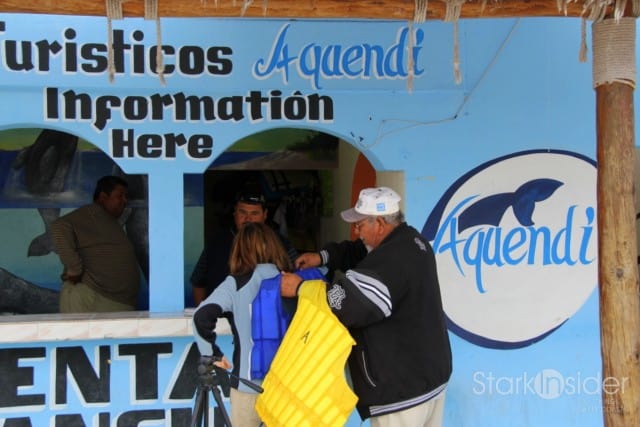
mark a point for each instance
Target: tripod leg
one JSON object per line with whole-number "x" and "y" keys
{"x": 218, "y": 397}
{"x": 199, "y": 408}
{"x": 205, "y": 409}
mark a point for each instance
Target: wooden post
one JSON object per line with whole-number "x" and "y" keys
{"x": 618, "y": 269}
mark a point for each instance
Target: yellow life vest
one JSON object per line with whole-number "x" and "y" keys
{"x": 306, "y": 384}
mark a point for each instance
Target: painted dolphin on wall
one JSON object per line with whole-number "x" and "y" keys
{"x": 17, "y": 296}
{"x": 47, "y": 161}
{"x": 491, "y": 209}
{"x": 45, "y": 165}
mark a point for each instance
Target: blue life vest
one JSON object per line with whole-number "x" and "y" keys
{"x": 270, "y": 320}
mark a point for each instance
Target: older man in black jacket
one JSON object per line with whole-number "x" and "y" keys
{"x": 389, "y": 298}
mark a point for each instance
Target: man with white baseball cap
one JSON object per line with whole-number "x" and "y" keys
{"x": 373, "y": 202}
{"x": 389, "y": 298}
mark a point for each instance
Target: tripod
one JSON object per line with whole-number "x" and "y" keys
{"x": 211, "y": 379}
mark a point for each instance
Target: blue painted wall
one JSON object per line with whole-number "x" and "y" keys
{"x": 523, "y": 90}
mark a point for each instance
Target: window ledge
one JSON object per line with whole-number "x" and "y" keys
{"x": 132, "y": 324}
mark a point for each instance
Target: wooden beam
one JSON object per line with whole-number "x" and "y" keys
{"x": 619, "y": 301}
{"x": 619, "y": 283}
{"x": 324, "y": 9}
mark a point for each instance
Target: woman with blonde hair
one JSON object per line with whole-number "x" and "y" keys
{"x": 257, "y": 254}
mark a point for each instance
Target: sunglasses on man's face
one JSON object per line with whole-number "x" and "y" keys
{"x": 358, "y": 225}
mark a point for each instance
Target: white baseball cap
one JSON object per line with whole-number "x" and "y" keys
{"x": 373, "y": 202}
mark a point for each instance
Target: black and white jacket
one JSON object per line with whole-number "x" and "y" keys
{"x": 390, "y": 300}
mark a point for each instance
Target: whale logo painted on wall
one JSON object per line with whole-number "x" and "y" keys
{"x": 516, "y": 245}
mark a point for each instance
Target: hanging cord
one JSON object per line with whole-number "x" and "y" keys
{"x": 114, "y": 11}
{"x": 614, "y": 58}
{"x": 245, "y": 6}
{"x": 454, "y": 7}
{"x": 420, "y": 12}
{"x": 452, "y": 14}
{"x": 591, "y": 10}
{"x": 247, "y": 3}
{"x": 582, "y": 55}
{"x": 596, "y": 10}
{"x": 457, "y": 75}
{"x": 419, "y": 16}
{"x": 618, "y": 11}
{"x": 563, "y": 7}
{"x": 484, "y": 4}
{"x": 410, "y": 63}
{"x": 151, "y": 13}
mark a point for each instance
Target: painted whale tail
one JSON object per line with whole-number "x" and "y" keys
{"x": 42, "y": 245}
{"x": 526, "y": 196}
{"x": 491, "y": 209}
{"x": 485, "y": 211}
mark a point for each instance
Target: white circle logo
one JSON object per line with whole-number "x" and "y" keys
{"x": 516, "y": 246}
{"x": 548, "y": 384}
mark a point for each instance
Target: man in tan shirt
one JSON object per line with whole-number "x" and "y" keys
{"x": 100, "y": 268}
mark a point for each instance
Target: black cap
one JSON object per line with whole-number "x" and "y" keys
{"x": 252, "y": 198}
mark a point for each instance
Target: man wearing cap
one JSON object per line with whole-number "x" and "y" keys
{"x": 389, "y": 298}
{"x": 213, "y": 264}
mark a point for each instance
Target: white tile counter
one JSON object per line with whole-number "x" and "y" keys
{"x": 131, "y": 324}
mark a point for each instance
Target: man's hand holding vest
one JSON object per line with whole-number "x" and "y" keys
{"x": 289, "y": 284}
